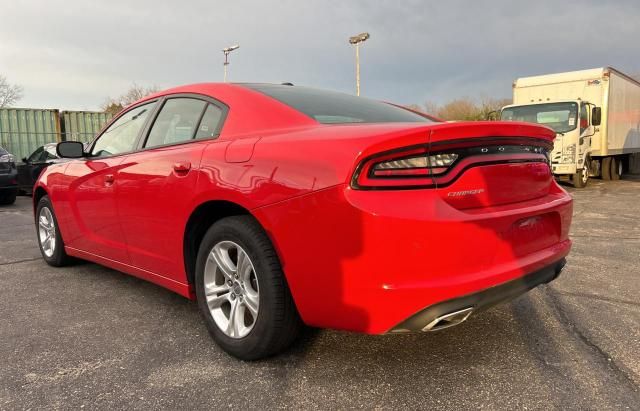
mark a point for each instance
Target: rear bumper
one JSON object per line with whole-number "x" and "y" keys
{"x": 558, "y": 168}
{"x": 480, "y": 301}
{"x": 367, "y": 261}
{"x": 8, "y": 181}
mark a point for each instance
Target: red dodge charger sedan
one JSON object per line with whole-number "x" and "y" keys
{"x": 276, "y": 206}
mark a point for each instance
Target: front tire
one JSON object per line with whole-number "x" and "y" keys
{"x": 49, "y": 238}
{"x": 581, "y": 178}
{"x": 242, "y": 292}
{"x": 8, "y": 197}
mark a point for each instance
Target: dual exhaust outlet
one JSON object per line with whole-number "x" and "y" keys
{"x": 449, "y": 320}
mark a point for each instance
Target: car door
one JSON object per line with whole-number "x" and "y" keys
{"x": 92, "y": 223}
{"x": 30, "y": 169}
{"x": 25, "y": 175}
{"x": 586, "y": 131}
{"x": 156, "y": 184}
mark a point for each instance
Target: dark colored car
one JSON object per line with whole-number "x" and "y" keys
{"x": 32, "y": 166}
{"x": 8, "y": 181}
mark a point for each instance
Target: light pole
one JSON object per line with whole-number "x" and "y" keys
{"x": 226, "y": 58}
{"x": 356, "y": 40}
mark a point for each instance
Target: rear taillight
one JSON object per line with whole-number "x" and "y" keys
{"x": 415, "y": 167}
{"x": 7, "y": 158}
{"x": 422, "y": 165}
{"x": 411, "y": 166}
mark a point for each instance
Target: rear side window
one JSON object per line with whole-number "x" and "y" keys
{"x": 50, "y": 153}
{"x": 330, "y": 107}
{"x": 36, "y": 155}
{"x": 176, "y": 122}
{"x": 210, "y": 122}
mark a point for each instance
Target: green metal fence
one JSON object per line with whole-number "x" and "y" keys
{"x": 24, "y": 130}
{"x": 82, "y": 125}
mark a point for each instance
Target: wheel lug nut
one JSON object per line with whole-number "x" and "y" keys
{"x": 237, "y": 276}
{"x": 230, "y": 282}
{"x": 233, "y": 296}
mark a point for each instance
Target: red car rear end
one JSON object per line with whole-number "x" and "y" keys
{"x": 436, "y": 222}
{"x": 272, "y": 204}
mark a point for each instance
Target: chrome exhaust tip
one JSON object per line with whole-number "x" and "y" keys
{"x": 448, "y": 320}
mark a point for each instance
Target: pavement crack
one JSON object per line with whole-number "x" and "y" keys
{"x": 598, "y": 297}
{"x": 622, "y": 373}
{"x": 21, "y": 261}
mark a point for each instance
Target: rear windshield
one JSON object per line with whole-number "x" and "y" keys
{"x": 330, "y": 107}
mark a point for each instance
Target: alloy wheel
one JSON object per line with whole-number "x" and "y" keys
{"x": 231, "y": 289}
{"x": 47, "y": 231}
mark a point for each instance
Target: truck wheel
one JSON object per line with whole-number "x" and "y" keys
{"x": 606, "y": 168}
{"x": 616, "y": 168}
{"x": 581, "y": 178}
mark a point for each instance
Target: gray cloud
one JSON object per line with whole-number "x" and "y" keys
{"x": 74, "y": 53}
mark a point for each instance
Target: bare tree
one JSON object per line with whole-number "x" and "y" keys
{"x": 9, "y": 93}
{"x": 135, "y": 93}
{"x": 465, "y": 109}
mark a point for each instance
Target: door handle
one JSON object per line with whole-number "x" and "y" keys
{"x": 108, "y": 179}
{"x": 182, "y": 167}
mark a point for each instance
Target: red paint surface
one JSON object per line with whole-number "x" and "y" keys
{"x": 361, "y": 260}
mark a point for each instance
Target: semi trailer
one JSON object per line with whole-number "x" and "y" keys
{"x": 595, "y": 114}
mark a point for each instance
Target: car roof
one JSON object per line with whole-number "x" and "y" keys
{"x": 263, "y": 113}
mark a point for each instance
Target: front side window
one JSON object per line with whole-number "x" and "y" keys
{"x": 561, "y": 117}
{"x": 176, "y": 122}
{"x": 121, "y": 136}
{"x": 584, "y": 118}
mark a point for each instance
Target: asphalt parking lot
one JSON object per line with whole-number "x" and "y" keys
{"x": 88, "y": 336}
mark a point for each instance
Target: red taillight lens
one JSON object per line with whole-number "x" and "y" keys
{"x": 410, "y": 167}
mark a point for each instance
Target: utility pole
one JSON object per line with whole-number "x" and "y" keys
{"x": 356, "y": 40}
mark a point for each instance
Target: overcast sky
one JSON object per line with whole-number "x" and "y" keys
{"x": 72, "y": 54}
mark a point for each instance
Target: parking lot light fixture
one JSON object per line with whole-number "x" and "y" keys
{"x": 356, "y": 40}
{"x": 226, "y": 52}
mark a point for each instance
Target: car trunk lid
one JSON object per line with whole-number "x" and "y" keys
{"x": 498, "y": 163}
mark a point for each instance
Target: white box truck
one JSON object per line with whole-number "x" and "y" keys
{"x": 595, "y": 114}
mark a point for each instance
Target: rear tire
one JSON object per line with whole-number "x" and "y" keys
{"x": 606, "y": 168}
{"x": 259, "y": 295}
{"x": 8, "y": 197}
{"x": 49, "y": 237}
{"x": 581, "y": 178}
{"x": 616, "y": 168}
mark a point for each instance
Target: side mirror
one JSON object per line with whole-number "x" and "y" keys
{"x": 25, "y": 160}
{"x": 596, "y": 116}
{"x": 70, "y": 149}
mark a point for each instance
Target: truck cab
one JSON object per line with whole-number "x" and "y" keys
{"x": 595, "y": 114}
{"x": 575, "y": 123}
